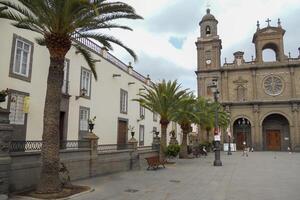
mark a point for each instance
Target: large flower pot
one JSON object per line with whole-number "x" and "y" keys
{"x": 2, "y": 98}
{"x": 91, "y": 127}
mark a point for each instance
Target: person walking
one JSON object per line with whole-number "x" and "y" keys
{"x": 245, "y": 149}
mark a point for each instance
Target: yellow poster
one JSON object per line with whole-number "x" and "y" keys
{"x": 26, "y": 104}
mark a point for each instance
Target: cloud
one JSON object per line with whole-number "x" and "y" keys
{"x": 172, "y": 20}
{"x": 159, "y": 68}
{"x": 181, "y": 17}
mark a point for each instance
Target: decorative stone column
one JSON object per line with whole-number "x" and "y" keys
{"x": 5, "y": 160}
{"x": 93, "y": 144}
{"x": 134, "y": 156}
{"x": 132, "y": 141}
{"x": 173, "y": 139}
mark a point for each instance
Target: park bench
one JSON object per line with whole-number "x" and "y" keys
{"x": 154, "y": 162}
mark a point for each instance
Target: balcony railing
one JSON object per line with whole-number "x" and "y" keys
{"x": 28, "y": 146}
{"x": 98, "y": 49}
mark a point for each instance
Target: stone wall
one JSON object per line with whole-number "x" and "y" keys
{"x": 25, "y": 167}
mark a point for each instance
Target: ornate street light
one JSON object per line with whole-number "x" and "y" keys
{"x": 217, "y": 137}
{"x": 244, "y": 123}
{"x": 229, "y": 140}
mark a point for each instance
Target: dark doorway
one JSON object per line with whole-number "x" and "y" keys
{"x": 273, "y": 140}
{"x": 122, "y": 133}
{"x": 242, "y": 133}
{"x": 276, "y": 133}
{"x": 240, "y": 138}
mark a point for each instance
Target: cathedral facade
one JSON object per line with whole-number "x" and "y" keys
{"x": 262, "y": 97}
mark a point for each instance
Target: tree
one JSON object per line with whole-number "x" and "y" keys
{"x": 185, "y": 115}
{"x": 2, "y": 8}
{"x": 163, "y": 99}
{"x": 56, "y": 21}
{"x": 206, "y": 115}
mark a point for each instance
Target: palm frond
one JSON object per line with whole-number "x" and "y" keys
{"x": 88, "y": 58}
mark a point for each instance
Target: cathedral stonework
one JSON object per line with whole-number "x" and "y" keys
{"x": 262, "y": 97}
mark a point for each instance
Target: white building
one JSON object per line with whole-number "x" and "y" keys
{"x": 23, "y": 70}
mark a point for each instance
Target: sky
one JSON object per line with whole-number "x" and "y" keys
{"x": 165, "y": 40}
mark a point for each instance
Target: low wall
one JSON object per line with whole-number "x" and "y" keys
{"x": 25, "y": 167}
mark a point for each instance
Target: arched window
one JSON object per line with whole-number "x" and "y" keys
{"x": 269, "y": 55}
{"x": 270, "y": 52}
{"x": 241, "y": 93}
{"x": 207, "y": 30}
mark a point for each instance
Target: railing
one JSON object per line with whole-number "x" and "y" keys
{"x": 98, "y": 49}
{"x": 114, "y": 147}
{"x": 22, "y": 146}
{"x": 88, "y": 43}
{"x": 116, "y": 61}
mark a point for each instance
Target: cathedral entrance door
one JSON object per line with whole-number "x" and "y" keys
{"x": 273, "y": 140}
{"x": 239, "y": 141}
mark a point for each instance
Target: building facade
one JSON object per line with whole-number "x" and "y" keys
{"x": 24, "y": 70}
{"x": 262, "y": 97}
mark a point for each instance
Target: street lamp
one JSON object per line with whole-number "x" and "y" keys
{"x": 217, "y": 138}
{"x": 244, "y": 123}
{"x": 229, "y": 139}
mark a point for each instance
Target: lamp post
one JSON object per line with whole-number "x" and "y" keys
{"x": 229, "y": 140}
{"x": 217, "y": 161}
{"x": 243, "y": 123}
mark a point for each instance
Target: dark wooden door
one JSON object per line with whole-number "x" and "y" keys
{"x": 122, "y": 132}
{"x": 273, "y": 140}
{"x": 239, "y": 141}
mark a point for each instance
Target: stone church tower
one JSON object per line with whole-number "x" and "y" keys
{"x": 262, "y": 97}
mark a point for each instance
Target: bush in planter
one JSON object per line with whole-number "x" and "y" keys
{"x": 173, "y": 150}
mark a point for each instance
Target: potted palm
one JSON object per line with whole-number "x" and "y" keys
{"x": 92, "y": 124}
{"x": 3, "y": 95}
{"x": 131, "y": 129}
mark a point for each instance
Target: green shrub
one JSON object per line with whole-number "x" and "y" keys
{"x": 173, "y": 150}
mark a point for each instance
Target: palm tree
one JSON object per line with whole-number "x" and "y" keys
{"x": 3, "y": 8}
{"x": 185, "y": 115}
{"x": 162, "y": 98}
{"x": 206, "y": 115}
{"x": 56, "y": 21}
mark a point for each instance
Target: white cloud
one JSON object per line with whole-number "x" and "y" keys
{"x": 237, "y": 24}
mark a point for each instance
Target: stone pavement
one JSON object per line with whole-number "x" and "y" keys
{"x": 261, "y": 176}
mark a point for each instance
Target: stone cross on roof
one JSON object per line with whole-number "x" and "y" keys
{"x": 268, "y": 21}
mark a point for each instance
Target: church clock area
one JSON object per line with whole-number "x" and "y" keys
{"x": 264, "y": 93}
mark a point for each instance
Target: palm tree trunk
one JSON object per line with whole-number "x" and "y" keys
{"x": 163, "y": 140}
{"x": 183, "y": 153}
{"x": 49, "y": 180}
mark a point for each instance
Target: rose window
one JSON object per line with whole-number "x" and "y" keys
{"x": 273, "y": 85}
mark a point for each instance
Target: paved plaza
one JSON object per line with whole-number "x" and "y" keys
{"x": 261, "y": 176}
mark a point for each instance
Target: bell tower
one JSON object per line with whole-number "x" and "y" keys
{"x": 269, "y": 37}
{"x": 208, "y": 44}
{"x": 209, "y": 48}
